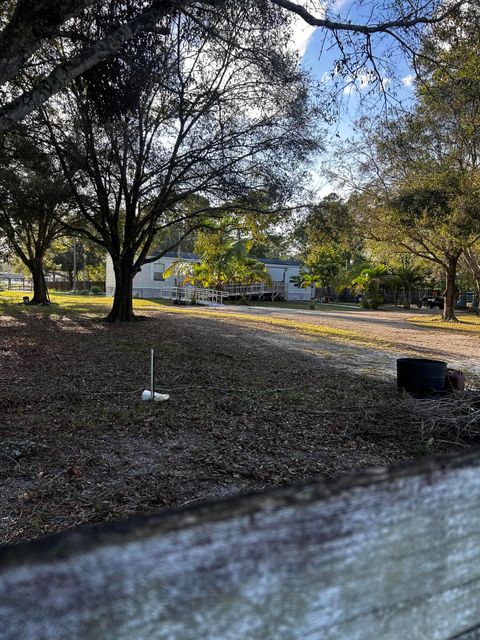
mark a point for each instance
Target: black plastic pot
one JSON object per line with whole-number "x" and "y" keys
{"x": 420, "y": 376}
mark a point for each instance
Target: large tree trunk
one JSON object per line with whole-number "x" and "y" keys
{"x": 407, "y": 297}
{"x": 122, "y": 308}
{"x": 470, "y": 259}
{"x": 476, "y": 302}
{"x": 449, "y": 297}
{"x": 40, "y": 293}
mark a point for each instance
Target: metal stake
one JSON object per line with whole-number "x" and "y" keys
{"x": 152, "y": 372}
{"x": 75, "y": 264}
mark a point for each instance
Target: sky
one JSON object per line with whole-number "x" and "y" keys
{"x": 319, "y": 63}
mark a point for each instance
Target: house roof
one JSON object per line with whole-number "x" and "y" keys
{"x": 285, "y": 263}
{"x": 12, "y": 276}
{"x": 188, "y": 255}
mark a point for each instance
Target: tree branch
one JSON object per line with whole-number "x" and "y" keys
{"x": 410, "y": 20}
{"x": 64, "y": 73}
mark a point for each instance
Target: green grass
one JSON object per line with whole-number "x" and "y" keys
{"x": 466, "y": 323}
{"x": 280, "y": 304}
{"x": 301, "y": 327}
{"x": 98, "y": 306}
{"x": 267, "y": 322}
{"x": 76, "y": 304}
{"x": 68, "y": 303}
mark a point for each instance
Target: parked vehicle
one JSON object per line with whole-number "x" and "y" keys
{"x": 431, "y": 300}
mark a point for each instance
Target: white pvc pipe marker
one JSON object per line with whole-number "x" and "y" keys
{"x": 152, "y": 395}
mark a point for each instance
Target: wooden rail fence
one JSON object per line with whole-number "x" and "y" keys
{"x": 392, "y": 554}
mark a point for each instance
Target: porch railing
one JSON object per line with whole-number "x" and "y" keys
{"x": 181, "y": 294}
{"x": 263, "y": 288}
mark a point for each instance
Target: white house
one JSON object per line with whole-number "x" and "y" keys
{"x": 151, "y": 277}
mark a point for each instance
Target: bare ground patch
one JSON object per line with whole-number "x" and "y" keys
{"x": 245, "y": 413}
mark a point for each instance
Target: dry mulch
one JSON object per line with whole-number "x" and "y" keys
{"x": 243, "y": 415}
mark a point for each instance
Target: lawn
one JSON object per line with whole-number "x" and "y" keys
{"x": 98, "y": 306}
{"x": 65, "y": 303}
{"x": 304, "y": 306}
{"x": 466, "y": 322}
{"x": 77, "y": 444}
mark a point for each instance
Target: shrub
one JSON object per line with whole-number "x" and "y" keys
{"x": 372, "y": 302}
{"x": 243, "y": 300}
{"x": 96, "y": 290}
{"x": 376, "y": 302}
{"x": 312, "y": 305}
{"x": 84, "y": 292}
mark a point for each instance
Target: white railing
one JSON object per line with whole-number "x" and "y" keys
{"x": 262, "y": 288}
{"x": 204, "y": 296}
{"x": 180, "y": 294}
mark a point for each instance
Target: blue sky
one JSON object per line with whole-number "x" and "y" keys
{"x": 308, "y": 42}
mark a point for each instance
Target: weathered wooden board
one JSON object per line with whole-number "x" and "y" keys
{"x": 385, "y": 555}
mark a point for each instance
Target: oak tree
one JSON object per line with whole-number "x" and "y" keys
{"x": 162, "y": 135}
{"x": 42, "y": 52}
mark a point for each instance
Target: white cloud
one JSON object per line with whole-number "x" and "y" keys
{"x": 326, "y": 190}
{"x": 407, "y": 81}
{"x": 301, "y": 31}
{"x": 363, "y": 81}
{"x": 301, "y": 34}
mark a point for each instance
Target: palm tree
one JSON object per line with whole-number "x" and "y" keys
{"x": 369, "y": 282}
{"x": 409, "y": 276}
{"x": 231, "y": 265}
{"x": 306, "y": 280}
{"x": 249, "y": 271}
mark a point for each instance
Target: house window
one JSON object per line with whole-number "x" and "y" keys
{"x": 158, "y": 270}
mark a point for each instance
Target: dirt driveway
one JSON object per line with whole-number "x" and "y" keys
{"x": 386, "y": 334}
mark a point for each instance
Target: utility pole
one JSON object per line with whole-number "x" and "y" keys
{"x": 75, "y": 264}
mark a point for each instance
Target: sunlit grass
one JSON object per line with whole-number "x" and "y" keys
{"x": 98, "y": 306}
{"x": 303, "y": 328}
{"x": 300, "y": 327}
{"x": 304, "y": 306}
{"x": 67, "y": 303}
{"x": 467, "y": 323}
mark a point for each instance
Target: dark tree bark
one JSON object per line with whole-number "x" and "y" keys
{"x": 63, "y": 74}
{"x": 122, "y": 308}
{"x": 40, "y": 291}
{"x": 471, "y": 262}
{"x": 449, "y": 297}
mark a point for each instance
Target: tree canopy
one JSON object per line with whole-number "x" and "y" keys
{"x": 42, "y": 51}
{"x": 34, "y": 199}
{"x": 421, "y": 179}
{"x": 167, "y": 138}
